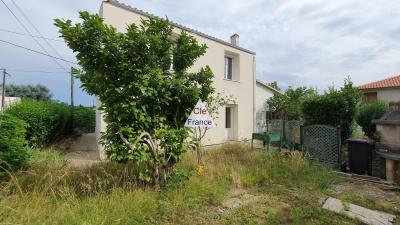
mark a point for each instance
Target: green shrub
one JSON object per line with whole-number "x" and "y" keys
{"x": 47, "y": 120}
{"x": 84, "y": 120}
{"x": 368, "y": 112}
{"x": 334, "y": 108}
{"x": 13, "y": 146}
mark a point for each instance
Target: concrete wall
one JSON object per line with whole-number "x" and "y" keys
{"x": 9, "y": 101}
{"x": 390, "y": 134}
{"x": 242, "y": 89}
{"x": 389, "y": 95}
{"x": 262, "y": 95}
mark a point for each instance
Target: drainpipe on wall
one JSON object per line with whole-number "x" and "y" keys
{"x": 254, "y": 93}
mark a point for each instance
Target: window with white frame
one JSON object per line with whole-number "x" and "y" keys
{"x": 228, "y": 68}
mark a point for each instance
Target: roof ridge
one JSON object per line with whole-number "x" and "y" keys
{"x": 191, "y": 30}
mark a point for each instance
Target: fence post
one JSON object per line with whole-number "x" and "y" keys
{"x": 284, "y": 130}
{"x": 339, "y": 143}
{"x": 301, "y": 136}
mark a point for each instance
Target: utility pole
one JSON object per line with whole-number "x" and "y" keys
{"x": 3, "y": 96}
{"x": 72, "y": 86}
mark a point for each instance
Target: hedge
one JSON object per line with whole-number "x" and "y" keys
{"x": 13, "y": 146}
{"x": 368, "y": 112}
{"x": 47, "y": 120}
{"x": 84, "y": 120}
{"x": 334, "y": 108}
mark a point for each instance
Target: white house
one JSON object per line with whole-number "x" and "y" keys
{"x": 232, "y": 65}
{"x": 263, "y": 93}
{"x": 387, "y": 90}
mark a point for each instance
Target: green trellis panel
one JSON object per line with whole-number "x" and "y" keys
{"x": 322, "y": 143}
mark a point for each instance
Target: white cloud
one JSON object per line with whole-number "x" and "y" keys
{"x": 298, "y": 42}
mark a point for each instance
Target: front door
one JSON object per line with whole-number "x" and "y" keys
{"x": 229, "y": 124}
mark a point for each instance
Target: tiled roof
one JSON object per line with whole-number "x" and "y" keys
{"x": 386, "y": 83}
{"x": 187, "y": 29}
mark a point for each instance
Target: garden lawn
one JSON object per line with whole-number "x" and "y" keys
{"x": 287, "y": 190}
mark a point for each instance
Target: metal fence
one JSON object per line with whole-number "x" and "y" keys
{"x": 276, "y": 127}
{"x": 322, "y": 143}
{"x": 292, "y": 131}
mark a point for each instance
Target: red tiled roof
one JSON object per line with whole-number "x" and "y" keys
{"x": 386, "y": 83}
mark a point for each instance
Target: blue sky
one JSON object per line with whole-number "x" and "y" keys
{"x": 314, "y": 43}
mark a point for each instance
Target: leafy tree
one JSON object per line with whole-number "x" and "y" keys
{"x": 274, "y": 85}
{"x": 334, "y": 107}
{"x": 371, "y": 111}
{"x": 145, "y": 101}
{"x": 288, "y": 106}
{"x": 35, "y": 92}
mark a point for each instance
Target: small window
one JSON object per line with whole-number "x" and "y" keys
{"x": 228, "y": 117}
{"x": 228, "y": 68}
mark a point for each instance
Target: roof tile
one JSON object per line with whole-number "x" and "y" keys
{"x": 386, "y": 83}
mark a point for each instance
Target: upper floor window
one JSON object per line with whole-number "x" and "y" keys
{"x": 228, "y": 67}
{"x": 232, "y": 66}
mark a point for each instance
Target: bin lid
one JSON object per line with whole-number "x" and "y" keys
{"x": 361, "y": 140}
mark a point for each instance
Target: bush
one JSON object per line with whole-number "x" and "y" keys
{"x": 13, "y": 146}
{"x": 46, "y": 120}
{"x": 334, "y": 108}
{"x": 84, "y": 120}
{"x": 368, "y": 112}
{"x": 288, "y": 106}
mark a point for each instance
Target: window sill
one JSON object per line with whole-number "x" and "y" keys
{"x": 231, "y": 80}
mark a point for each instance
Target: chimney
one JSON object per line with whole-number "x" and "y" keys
{"x": 235, "y": 39}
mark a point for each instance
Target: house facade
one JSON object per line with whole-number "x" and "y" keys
{"x": 233, "y": 68}
{"x": 387, "y": 90}
{"x": 263, "y": 93}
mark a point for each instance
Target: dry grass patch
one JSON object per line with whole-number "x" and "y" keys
{"x": 287, "y": 187}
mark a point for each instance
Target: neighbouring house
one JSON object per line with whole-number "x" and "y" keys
{"x": 8, "y": 101}
{"x": 387, "y": 90}
{"x": 232, "y": 65}
{"x": 263, "y": 112}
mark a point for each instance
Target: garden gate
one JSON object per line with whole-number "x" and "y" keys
{"x": 322, "y": 143}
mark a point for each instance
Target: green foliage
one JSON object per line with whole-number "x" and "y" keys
{"x": 35, "y": 92}
{"x": 84, "y": 120}
{"x": 334, "y": 108}
{"x": 288, "y": 106}
{"x": 46, "y": 120}
{"x": 274, "y": 85}
{"x": 13, "y": 146}
{"x": 145, "y": 101}
{"x": 371, "y": 111}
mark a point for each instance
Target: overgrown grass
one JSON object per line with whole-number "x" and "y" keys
{"x": 288, "y": 187}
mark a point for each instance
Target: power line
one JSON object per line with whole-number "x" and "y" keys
{"x": 36, "y": 71}
{"x": 27, "y": 30}
{"x": 24, "y": 34}
{"x": 35, "y": 28}
{"x": 38, "y": 52}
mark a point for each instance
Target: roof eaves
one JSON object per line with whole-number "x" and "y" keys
{"x": 268, "y": 86}
{"x": 190, "y": 30}
{"x": 391, "y": 82}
